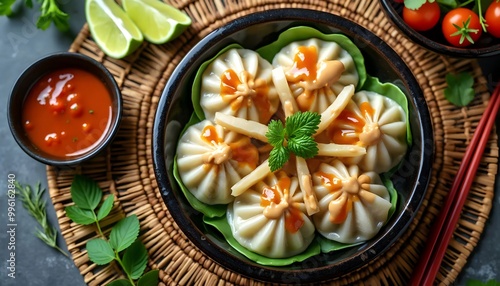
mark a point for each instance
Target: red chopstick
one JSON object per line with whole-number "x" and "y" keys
{"x": 442, "y": 230}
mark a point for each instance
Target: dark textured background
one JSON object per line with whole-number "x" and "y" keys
{"x": 37, "y": 264}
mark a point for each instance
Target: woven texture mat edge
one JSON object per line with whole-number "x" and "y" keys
{"x": 126, "y": 169}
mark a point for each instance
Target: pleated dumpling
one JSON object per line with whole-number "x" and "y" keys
{"x": 316, "y": 72}
{"x": 353, "y": 205}
{"x": 211, "y": 160}
{"x": 270, "y": 218}
{"x": 239, "y": 83}
{"x": 376, "y": 122}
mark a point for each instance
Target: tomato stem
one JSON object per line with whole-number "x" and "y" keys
{"x": 482, "y": 21}
{"x": 464, "y": 31}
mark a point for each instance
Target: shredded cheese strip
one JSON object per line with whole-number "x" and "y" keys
{"x": 335, "y": 108}
{"x": 305, "y": 183}
{"x": 340, "y": 150}
{"x": 246, "y": 127}
{"x": 285, "y": 95}
{"x": 251, "y": 179}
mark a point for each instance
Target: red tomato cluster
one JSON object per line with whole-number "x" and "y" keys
{"x": 461, "y": 26}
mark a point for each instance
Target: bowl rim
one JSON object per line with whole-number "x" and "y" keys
{"x": 267, "y": 273}
{"x": 434, "y": 46}
{"x": 103, "y": 72}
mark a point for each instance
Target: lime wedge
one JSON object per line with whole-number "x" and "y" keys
{"x": 112, "y": 29}
{"x": 158, "y": 21}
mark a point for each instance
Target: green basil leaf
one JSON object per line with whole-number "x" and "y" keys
{"x": 80, "y": 216}
{"x": 106, "y": 207}
{"x": 148, "y": 279}
{"x": 135, "y": 259}
{"x": 414, "y": 4}
{"x": 99, "y": 251}
{"x": 6, "y": 7}
{"x": 121, "y": 282}
{"x": 85, "y": 192}
{"x": 459, "y": 91}
{"x": 221, "y": 224}
{"x": 124, "y": 233}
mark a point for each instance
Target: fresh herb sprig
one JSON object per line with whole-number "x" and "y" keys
{"x": 50, "y": 12}
{"x": 295, "y": 137}
{"x": 36, "y": 207}
{"x": 122, "y": 246}
{"x": 459, "y": 90}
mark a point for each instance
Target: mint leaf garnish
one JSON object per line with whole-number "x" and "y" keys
{"x": 85, "y": 193}
{"x": 99, "y": 251}
{"x": 80, "y": 216}
{"x": 135, "y": 259}
{"x": 124, "y": 233}
{"x": 106, "y": 207}
{"x": 295, "y": 137}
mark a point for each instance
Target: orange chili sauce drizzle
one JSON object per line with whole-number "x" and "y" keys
{"x": 345, "y": 129}
{"x": 229, "y": 87}
{"x": 293, "y": 217}
{"x": 67, "y": 112}
{"x": 242, "y": 150}
{"x": 334, "y": 185}
{"x": 304, "y": 69}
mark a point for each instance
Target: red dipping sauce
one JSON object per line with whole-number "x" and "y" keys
{"x": 67, "y": 112}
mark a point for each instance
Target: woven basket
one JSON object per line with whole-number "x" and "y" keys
{"x": 126, "y": 169}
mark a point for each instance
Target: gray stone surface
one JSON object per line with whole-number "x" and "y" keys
{"x": 37, "y": 264}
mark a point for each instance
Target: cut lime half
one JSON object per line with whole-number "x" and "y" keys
{"x": 158, "y": 21}
{"x": 112, "y": 29}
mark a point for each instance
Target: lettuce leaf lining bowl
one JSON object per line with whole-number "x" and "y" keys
{"x": 175, "y": 109}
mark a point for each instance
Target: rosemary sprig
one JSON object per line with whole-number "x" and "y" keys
{"x": 35, "y": 205}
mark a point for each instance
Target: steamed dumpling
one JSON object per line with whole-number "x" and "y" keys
{"x": 316, "y": 72}
{"x": 376, "y": 122}
{"x": 353, "y": 205}
{"x": 239, "y": 83}
{"x": 269, "y": 219}
{"x": 212, "y": 159}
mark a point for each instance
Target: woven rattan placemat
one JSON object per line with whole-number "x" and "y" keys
{"x": 126, "y": 169}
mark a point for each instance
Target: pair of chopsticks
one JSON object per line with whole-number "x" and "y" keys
{"x": 443, "y": 228}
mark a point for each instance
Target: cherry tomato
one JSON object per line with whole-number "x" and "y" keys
{"x": 424, "y": 18}
{"x": 492, "y": 17}
{"x": 469, "y": 28}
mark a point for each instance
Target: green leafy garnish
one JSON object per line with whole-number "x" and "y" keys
{"x": 50, "y": 13}
{"x": 124, "y": 233}
{"x": 459, "y": 91}
{"x": 415, "y": 4}
{"x": 123, "y": 237}
{"x": 35, "y": 205}
{"x": 295, "y": 137}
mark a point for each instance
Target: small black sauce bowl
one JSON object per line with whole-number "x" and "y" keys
{"x": 253, "y": 31}
{"x": 433, "y": 40}
{"x": 37, "y": 70}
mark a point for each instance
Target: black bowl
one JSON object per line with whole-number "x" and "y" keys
{"x": 254, "y": 31}
{"x": 37, "y": 70}
{"x": 434, "y": 40}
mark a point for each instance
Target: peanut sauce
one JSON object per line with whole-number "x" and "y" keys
{"x": 276, "y": 205}
{"x": 245, "y": 91}
{"x": 241, "y": 150}
{"x": 349, "y": 128}
{"x": 345, "y": 194}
